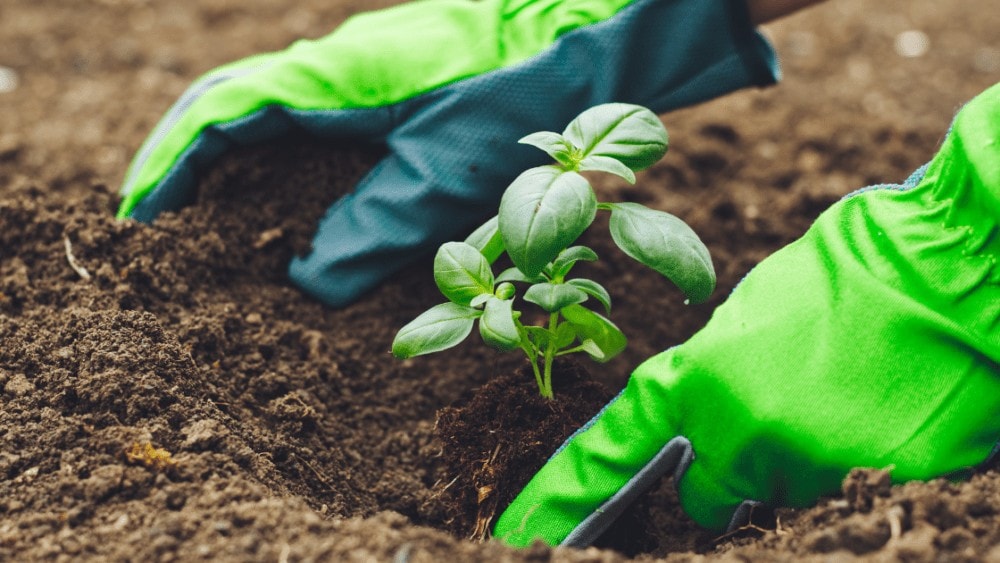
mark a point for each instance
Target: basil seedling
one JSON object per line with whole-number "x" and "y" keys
{"x": 542, "y": 213}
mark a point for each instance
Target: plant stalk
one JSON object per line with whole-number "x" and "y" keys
{"x": 530, "y": 350}
{"x": 550, "y": 356}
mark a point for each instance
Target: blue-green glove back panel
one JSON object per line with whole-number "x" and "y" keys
{"x": 452, "y": 133}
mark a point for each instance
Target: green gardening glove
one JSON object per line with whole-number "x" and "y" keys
{"x": 872, "y": 341}
{"x": 448, "y": 86}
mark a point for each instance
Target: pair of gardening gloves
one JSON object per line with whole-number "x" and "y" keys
{"x": 872, "y": 341}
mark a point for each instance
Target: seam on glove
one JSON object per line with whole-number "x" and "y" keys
{"x": 676, "y": 455}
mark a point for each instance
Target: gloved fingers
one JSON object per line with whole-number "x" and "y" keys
{"x": 166, "y": 143}
{"x": 599, "y": 471}
{"x": 246, "y": 102}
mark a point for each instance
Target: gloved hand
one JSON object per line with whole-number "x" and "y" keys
{"x": 872, "y": 341}
{"x": 448, "y": 86}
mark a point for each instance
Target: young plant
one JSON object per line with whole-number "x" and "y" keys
{"x": 541, "y": 214}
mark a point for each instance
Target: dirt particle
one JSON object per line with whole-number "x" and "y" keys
{"x": 862, "y": 486}
{"x": 18, "y": 386}
{"x": 149, "y": 456}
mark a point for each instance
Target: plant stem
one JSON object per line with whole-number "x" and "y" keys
{"x": 538, "y": 378}
{"x": 573, "y": 350}
{"x": 533, "y": 360}
{"x": 532, "y": 352}
{"x": 550, "y": 356}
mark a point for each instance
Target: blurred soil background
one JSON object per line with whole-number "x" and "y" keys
{"x": 280, "y": 430}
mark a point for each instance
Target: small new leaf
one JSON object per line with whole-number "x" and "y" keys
{"x": 628, "y": 133}
{"x": 544, "y": 210}
{"x": 557, "y": 146}
{"x": 666, "y": 244}
{"x": 462, "y": 272}
{"x": 565, "y": 335}
{"x": 554, "y": 296}
{"x": 439, "y": 328}
{"x": 479, "y": 300}
{"x": 504, "y": 290}
{"x": 538, "y": 335}
{"x": 593, "y": 350}
{"x": 601, "y": 163}
{"x": 567, "y": 258}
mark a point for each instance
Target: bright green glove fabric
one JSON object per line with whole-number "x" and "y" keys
{"x": 447, "y": 87}
{"x": 872, "y": 341}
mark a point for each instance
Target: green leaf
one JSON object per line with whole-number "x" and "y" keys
{"x": 565, "y": 335}
{"x": 497, "y": 327}
{"x": 608, "y": 164}
{"x": 541, "y": 213}
{"x": 515, "y": 275}
{"x": 567, "y": 258}
{"x": 486, "y": 239}
{"x": 628, "y": 133}
{"x": 540, "y": 336}
{"x": 554, "y": 296}
{"x": 666, "y": 244}
{"x": 592, "y": 326}
{"x": 462, "y": 272}
{"x": 439, "y": 328}
{"x": 594, "y": 290}
{"x": 557, "y": 146}
{"x": 593, "y": 350}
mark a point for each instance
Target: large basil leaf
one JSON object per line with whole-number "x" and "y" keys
{"x": 666, "y": 244}
{"x": 541, "y": 213}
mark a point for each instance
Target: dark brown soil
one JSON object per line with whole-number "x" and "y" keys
{"x": 492, "y": 443}
{"x": 167, "y": 395}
